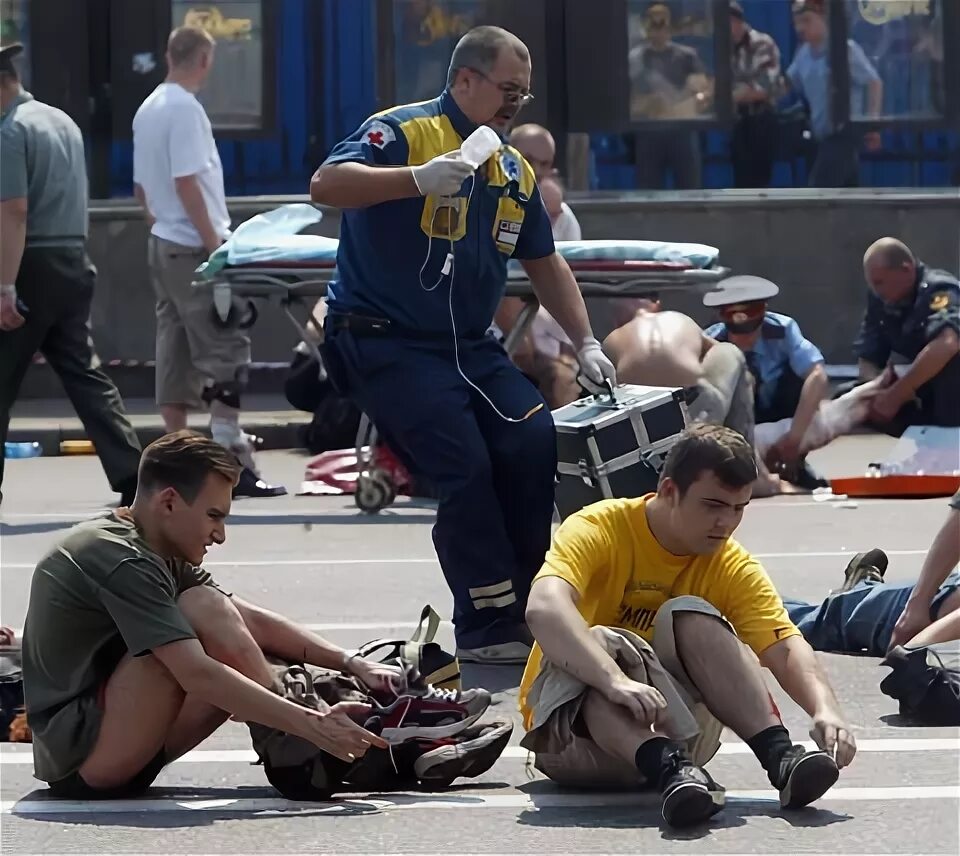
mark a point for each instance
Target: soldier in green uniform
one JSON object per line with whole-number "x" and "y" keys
{"x": 46, "y": 278}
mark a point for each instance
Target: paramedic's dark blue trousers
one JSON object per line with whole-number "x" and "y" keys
{"x": 494, "y": 479}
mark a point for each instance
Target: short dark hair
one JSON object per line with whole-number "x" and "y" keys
{"x": 183, "y": 460}
{"x": 479, "y": 49}
{"x": 710, "y": 448}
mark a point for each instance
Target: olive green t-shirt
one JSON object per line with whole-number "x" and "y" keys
{"x": 100, "y": 593}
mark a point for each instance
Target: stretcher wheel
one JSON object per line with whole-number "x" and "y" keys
{"x": 242, "y": 316}
{"x": 375, "y": 491}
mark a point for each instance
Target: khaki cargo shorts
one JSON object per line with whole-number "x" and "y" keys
{"x": 583, "y": 764}
{"x": 191, "y": 349}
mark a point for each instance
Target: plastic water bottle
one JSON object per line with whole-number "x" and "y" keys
{"x": 22, "y": 450}
{"x": 480, "y": 146}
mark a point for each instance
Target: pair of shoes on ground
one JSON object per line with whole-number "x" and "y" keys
{"x": 435, "y": 733}
{"x": 691, "y": 796}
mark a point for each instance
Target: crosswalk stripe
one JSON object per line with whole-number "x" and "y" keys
{"x": 9, "y": 756}
{"x": 513, "y": 800}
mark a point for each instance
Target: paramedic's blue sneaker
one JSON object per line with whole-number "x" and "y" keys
{"x": 689, "y": 794}
{"x": 804, "y": 776}
{"x": 865, "y": 567}
{"x": 467, "y": 755}
{"x": 504, "y": 654}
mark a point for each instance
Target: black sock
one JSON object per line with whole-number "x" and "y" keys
{"x": 769, "y": 746}
{"x": 650, "y": 757}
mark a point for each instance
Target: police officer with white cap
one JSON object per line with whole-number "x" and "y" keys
{"x": 788, "y": 369}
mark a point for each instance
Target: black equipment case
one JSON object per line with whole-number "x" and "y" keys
{"x": 614, "y": 444}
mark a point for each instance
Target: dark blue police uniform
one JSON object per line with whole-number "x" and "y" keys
{"x": 899, "y": 332}
{"x": 409, "y": 345}
{"x": 779, "y": 361}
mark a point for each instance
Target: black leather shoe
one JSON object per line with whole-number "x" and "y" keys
{"x": 252, "y": 486}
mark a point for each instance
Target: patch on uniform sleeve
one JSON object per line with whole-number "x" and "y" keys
{"x": 380, "y": 134}
{"x": 939, "y": 302}
{"x": 508, "y": 232}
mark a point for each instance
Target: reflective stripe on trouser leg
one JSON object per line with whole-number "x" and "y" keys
{"x": 497, "y": 595}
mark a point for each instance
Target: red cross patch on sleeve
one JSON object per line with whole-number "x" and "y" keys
{"x": 380, "y": 134}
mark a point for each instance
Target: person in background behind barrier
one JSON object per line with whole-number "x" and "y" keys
{"x": 46, "y": 278}
{"x": 912, "y": 316}
{"x": 424, "y": 245}
{"x": 178, "y": 178}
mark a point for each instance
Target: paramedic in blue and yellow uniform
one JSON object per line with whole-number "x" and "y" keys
{"x": 424, "y": 244}
{"x": 790, "y": 379}
{"x": 912, "y": 318}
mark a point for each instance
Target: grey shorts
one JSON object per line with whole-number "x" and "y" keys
{"x": 583, "y": 764}
{"x": 191, "y": 349}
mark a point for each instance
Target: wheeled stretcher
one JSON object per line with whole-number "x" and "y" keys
{"x": 269, "y": 262}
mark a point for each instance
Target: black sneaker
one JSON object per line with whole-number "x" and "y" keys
{"x": 805, "y": 776}
{"x": 249, "y": 484}
{"x": 869, "y": 566}
{"x": 689, "y": 794}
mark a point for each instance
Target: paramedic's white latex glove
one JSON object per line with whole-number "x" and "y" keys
{"x": 595, "y": 368}
{"x": 443, "y": 176}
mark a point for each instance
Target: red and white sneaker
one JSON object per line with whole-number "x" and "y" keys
{"x": 428, "y": 713}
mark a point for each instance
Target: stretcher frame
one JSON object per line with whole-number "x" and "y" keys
{"x": 290, "y": 285}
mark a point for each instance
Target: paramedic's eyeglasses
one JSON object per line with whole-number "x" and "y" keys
{"x": 511, "y": 93}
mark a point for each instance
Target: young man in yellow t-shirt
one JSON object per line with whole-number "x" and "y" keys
{"x": 649, "y": 620}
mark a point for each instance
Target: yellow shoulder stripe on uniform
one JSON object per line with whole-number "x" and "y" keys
{"x": 429, "y": 137}
{"x": 940, "y": 301}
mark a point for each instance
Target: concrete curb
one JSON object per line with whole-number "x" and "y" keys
{"x": 275, "y": 434}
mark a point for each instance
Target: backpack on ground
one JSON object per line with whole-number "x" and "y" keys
{"x": 926, "y": 682}
{"x": 298, "y": 769}
{"x": 436, "y": 666}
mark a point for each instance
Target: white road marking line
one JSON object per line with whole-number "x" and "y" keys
{"x": 244, "y": 756}
{"x": 515, "y": 800}
{"x": 279, "y": 563}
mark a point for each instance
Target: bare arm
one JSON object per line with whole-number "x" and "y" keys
{"x": 874, "y": 98}
{"x": 202, "y": 676}
{"x": 288, "y": 640}
{"x": 357, "y": 185}
{"x": 794, "y": 664}
{"x": 816, "y": 385}
{"x": 188, "y": 189}
{"x": 557, "y": 290}
{"x": 13, "y": 237}
{"x": 563, "y": 634}
{"x": 943, "y": 557}
{"x": 141, "y": 197}
{"x": 928, "y": 364}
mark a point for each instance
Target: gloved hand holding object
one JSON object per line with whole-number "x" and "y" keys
{"x": 442, "y": 176}
{"x": 595, "y": 369}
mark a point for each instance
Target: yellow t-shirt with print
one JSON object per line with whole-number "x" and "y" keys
{"x": 609, "y": 555}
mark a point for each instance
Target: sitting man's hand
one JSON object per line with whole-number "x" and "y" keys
{"x": 10, "y": 317}
{"x": 888, "y": 402}
{"x": 379, "y": 677}
{"x": 834, "y": 736}
{"x": 336, "y": 731}
{"x": 646, "y": 703}
{"x": 595, "y": 368}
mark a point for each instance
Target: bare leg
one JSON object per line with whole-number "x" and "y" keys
{"x": 725, "y": 672}
{"x": 141, "y": 691}
{"x": 174, "y": 417}
{"x": 613, "y": 728}
{"x": 225, "y": 637}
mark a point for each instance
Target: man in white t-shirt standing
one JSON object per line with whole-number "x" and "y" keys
{"x": 178, "y": 178}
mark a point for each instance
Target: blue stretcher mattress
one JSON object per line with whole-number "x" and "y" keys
{"x": 274, "y": 238}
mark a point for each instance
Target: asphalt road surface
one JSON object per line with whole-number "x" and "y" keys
{"x": 355, "y": 578}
